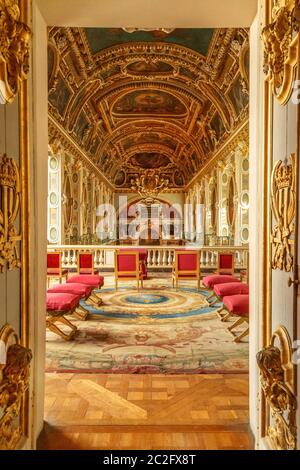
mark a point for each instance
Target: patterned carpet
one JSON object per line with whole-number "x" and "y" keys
{"x": 156, "y": 330}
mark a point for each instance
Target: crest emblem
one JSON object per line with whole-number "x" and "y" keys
{"x": 283, "y": 204}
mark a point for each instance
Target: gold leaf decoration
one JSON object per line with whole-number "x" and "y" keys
{"x": 281, "y": 42}
{"x": 283, "y": 204}
{"x": 14, "y": 50}
{"x": 14, "y": 382}
{"x": 9, "y": 210}
{"x": 277, "y": 382}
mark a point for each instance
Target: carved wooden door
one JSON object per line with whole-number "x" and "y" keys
{"x": 277, "y": 360}
{"x": 15, "y": 355}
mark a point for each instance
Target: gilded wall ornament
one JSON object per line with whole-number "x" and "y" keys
{"x": 9, "y": 210}
{"x": 281, "y": 42}
{"x": 283, "y": 205}
{"x": 14, "y": 50}
{"x": 14, "y": 382}
{"x": 277, "y": 382}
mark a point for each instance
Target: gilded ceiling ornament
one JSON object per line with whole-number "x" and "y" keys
{"x": 14, "y": 382}
{"x": 133, "y": 30}
{"x": 277, "y": 382}
{"x": 283, "y": 205}
{"x": 281, "y": 42}
{"x": 14, "y": 50}
{"x": 149, "y": 185}
{"x": 9, "y": 211}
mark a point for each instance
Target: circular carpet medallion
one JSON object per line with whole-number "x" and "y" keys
{"x": 155, "y": 301}
{"x": 146, "y": 299}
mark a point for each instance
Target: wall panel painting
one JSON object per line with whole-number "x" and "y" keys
{"x": 149, "y": 102}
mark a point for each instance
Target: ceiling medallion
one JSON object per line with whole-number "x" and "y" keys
{"x": 149, "y": 185}
{"x": 164, "y": 30}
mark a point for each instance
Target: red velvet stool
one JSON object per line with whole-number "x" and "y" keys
{"x": 213, "y": 279}
{"x": 58, "y": 305}
{"x": 93, "y": 280}
{"x": 83, "y": 290}
{"x": 237, "y": 305}
{"x": 228, "y": 289}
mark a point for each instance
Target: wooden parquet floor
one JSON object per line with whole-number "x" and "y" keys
{"x": 88, "y": 411}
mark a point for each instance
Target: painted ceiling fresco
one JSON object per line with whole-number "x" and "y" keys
{"x": 132, "y": 101}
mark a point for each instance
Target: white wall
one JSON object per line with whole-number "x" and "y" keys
{"x": 255, "y": 214}
{"x": 38, "y": 219}
{"x": 149, "y": 13}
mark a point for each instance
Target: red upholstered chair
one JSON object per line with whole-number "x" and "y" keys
{"x": 143, "y": 256}
{"x": 58, "y": 305}
{"x": 237, "y": 305}
{"x": 54, "y": 268}
{"x": 128, "y": 266}
{"x": 85, "y": 264}
{"x": 186, "y": 266}
{"x": 225, "y": 263}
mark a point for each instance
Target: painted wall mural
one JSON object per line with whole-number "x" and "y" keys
{"x": 149, "y": 102}
{"x": 60, "y": 96}
{"x": 149, "y": 160}
{"x": 238, "y": 97}
{"x": 144, "y": 67}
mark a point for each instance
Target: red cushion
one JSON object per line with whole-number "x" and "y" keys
{"x": 62, "y": 302}
{"x": 72, "y": 288}
{"x": 231, "y": 288}
{"x": 213, "y": 279}
{"x": 93, "y": 280}
{"x": 53, "y": 260}
{"x": 85, "y": 260}
{"x": 226, "y": 261}
{"x": 126, "y": 262}
{"x": 187, "y": 261}
{"x": 55, "y": 272}
{"x": 237, "y": 304}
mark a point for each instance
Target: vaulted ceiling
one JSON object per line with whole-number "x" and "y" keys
{"x": 137, "y": 100}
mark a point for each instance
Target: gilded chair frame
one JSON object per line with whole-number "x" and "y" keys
{"x": 138, "y": 272}
{"x": 188, "y": 274}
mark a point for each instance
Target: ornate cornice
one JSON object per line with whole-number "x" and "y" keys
{"x": 240, "y": 135}
{"x": 66, "y": 141}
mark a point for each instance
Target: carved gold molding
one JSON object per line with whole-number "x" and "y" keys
{"x": 278, "y": 385}
{"x": 283, "y": 204}
{"x": 14, "y": 382}
{"x": 281, "y": 42}
{"x": 9, "y": 211}
{"x": 15, "y": 39}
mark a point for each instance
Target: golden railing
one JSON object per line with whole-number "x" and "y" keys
{"x": 158, "y": 257}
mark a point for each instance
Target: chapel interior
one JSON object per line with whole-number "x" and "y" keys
{"x": 149, "y": 200}
{"x": 148, "y": 163}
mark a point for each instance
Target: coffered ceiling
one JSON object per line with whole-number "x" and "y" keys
{"x": 138, "y": 100}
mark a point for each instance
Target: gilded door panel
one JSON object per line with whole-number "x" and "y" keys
{"x": 278, "y": 368}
